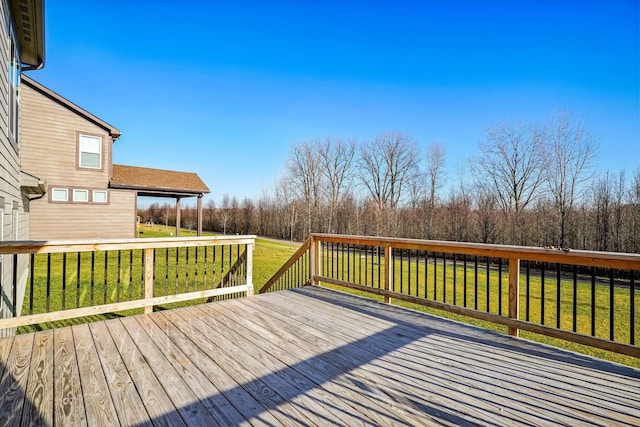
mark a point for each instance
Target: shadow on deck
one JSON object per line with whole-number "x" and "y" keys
{"x": 310, "y": 356}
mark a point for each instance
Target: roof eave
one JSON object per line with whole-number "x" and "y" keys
{"x": 28, "y": 16}
{"x": 156, "y": 191}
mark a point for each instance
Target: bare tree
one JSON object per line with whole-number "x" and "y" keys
{"x": 634, "y": 198}
{"x": 336, "y": 164}
{"x": 619, "y": 193}
{"x": 571, "y": 152}
{"x": 602, "y": 201}
{"x": 386, "y": 165}
{"x": 435, "y": 176}
{"x": 511, "y": 166}
{"x": 305, "y": 173}
{"x": 209, "y": 214}
{"x": 486, "y": 216}
{"x": 225, "y": 212}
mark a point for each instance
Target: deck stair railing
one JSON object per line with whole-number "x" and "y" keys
{"x": 69, "y": 279}
{"x": 591, "y": 298}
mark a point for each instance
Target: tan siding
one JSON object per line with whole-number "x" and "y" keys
{"x": 9, "y": 182}
{"x": 49, "y": 142}
{"x": 4, "y": 69}
{"x": 82, "y": 221}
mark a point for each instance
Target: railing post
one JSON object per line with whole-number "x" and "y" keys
{"x": 314, "y": 260}
{"x": 514, "y": 292}
{"x": 388, "y": 273}
{"x": 148, "y": 278}
{"x": 249, "y": 266}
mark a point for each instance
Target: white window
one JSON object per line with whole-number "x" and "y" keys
{"x": 80, "y": 195}
{"x": 99, "y": 196}
{"x": 90, "y": 152}
{"x": 59, "y": 195}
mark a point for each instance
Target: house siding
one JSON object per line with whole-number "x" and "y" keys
{"x": 49, "y": 143}
{"x": 10, "y": 194}
{"x": 50, "y": 133}
{"x": 54, "y": 221}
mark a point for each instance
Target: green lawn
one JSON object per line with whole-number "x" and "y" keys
{"x": 410, "y": 279}
{"x": 108, "y": 277}
{"x": 270, "y": 255}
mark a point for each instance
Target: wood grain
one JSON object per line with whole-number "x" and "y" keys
{"x": 309, "y": 356}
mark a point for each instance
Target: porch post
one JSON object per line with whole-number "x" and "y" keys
{"x": 200, "y": 215}
{"x": 177, "y": 216}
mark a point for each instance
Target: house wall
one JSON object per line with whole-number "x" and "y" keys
{"x": 51, "y": 221}
{"x": 13, "y": 215}
{"x": 49, "y": 151}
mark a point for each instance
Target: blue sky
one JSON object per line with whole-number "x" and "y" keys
{"x": 224, "y": 88}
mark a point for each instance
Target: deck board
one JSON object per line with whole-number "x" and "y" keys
{"x": 303, "y": 357}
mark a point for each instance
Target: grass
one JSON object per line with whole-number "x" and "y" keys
{"x": 418, "y": 278}
{"x": 108, "y": 277}
{"x": 269, "y": 255}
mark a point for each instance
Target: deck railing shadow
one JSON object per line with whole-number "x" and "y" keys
{"x": 314, "y": 373}
{"x": 318, "y": 371}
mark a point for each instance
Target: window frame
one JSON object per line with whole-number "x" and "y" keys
{"x": 100, "y": 202}
{"x": 79, "y": 151}
{"x": 80, "y": 191}
{"x": 66, "y": 192}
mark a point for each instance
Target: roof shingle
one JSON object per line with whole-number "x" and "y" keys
{"x": 161, "y": 181}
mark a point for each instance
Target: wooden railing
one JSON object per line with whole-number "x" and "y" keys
{"x": 590, "y": 298}
{"x": 69, "y": 279}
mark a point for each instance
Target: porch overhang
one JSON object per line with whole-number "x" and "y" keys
{"x": 161, "y": 183}
{"x": 32, "y": 186}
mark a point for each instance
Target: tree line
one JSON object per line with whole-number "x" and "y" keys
{"x": 529, "y": 184}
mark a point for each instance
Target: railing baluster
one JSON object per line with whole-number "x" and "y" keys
{"x": 435, "y": 276}
{"x": 612, "y": 309}
{"x": 575, "y": 298}
{"x": 593, "y": 301}
{"x": 64, "y": 280}
{"x": 542, "y": 293}
{"x": 475, "y": 290}
{"x": 426, "y": 272}
{"x": 488, "y": 284}
{"x": 500, "y": 286}
{"x": 48, "y": 301}
{"x": 142, "y": 273}
{"x": 119, "y": 276}
{"x": 528, "y": 291}
{"x": 558, "y": 296}
{"x": 78, "y": 281}
{"x": 455, "y": 280}
{"x": 464, "y": 284}
{"x": 401, "y": 271}
{"x": 514, "y": 293}
{"x": 31, "y": 282}
{"x": 186, "y": 272}
{"x": 106, "y": 254}
{"x": 93, "y": 269}
{"x": 444, "y": 277}
{"x": 632, "y": 307}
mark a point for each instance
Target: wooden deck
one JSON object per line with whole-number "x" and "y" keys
{"x": 303, "y": 357}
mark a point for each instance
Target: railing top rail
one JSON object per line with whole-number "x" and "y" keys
{"x": 52, "y": 246}
{"x": 553, "y": 255}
